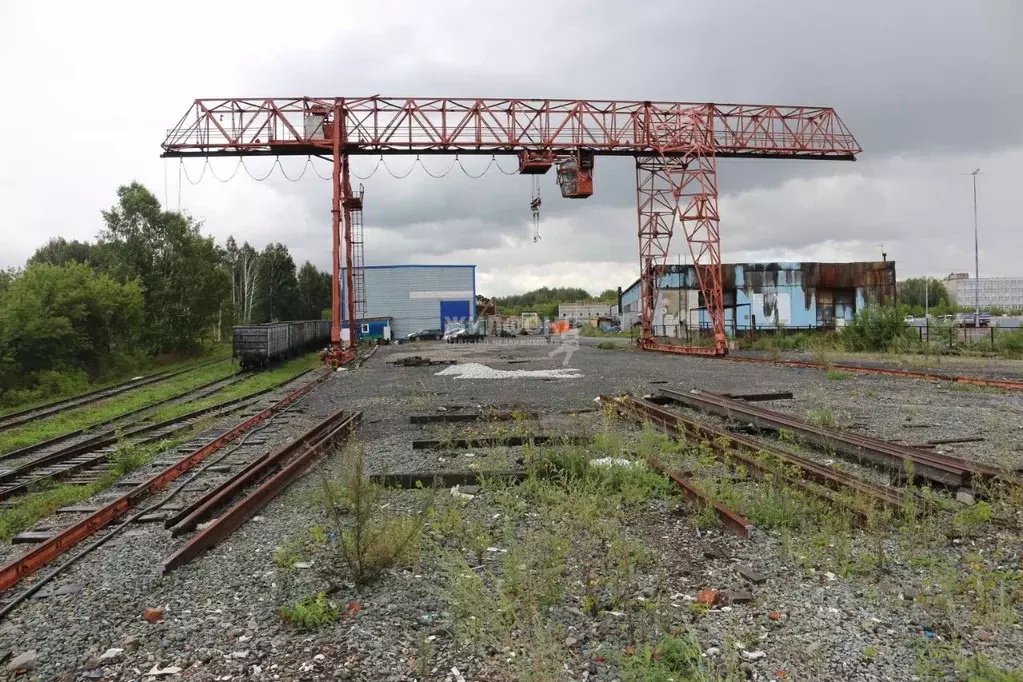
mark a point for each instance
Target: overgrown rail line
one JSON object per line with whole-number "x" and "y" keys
{"x": 95, "y": 453}
{"x": 902, "y": 460}
{"x": 46, "y": 552}
{"x": 763, "y": 460}
{"x": 100, "y": 429}
{"x": 1007, "y": 384}
{"x": 269, "y": 474}
{"x": 31, "y": 414}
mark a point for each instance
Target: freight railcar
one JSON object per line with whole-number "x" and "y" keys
{"x": 257, "y": 345}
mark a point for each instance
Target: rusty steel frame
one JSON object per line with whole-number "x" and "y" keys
{"x": 49, "y": 550}
{"x": 734, "y": 447}
{"x": 246, "y": 507}
{"x": 943, "y": 469}
{"x": 676, "y": 145}
{"x": 884, "y": 371}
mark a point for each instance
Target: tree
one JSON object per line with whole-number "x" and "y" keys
{"x": 609, "y": 296}
{"x": 179, "y": 269}
{"x": 58, "y": 251}
{"x": 313, "y": 292}
{"x": 276, "y": 288}
{"x": 65, "y": 319}
{"x": 911, "y": 292}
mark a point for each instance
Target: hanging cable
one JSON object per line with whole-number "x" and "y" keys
{"x": 301, "y": 175}
{"x": 371, "y": 173}
{"x": 268, "y": 174}
{"x": 399, "y": 177}
{"x": 318, "y": 172}
{"x": 214, "y": 173}
{"x": 475, "y": 177}
{"x": 181, "y": 167}
{"x": 514, "y": 171}
{"x": 534, "y": 205}
{"x": 438, "y": 177}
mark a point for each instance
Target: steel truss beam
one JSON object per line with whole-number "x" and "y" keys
{"x": 395, "y": 125}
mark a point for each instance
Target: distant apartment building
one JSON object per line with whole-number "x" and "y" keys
{"x": 992, "y": 292}
{"x": 585, "y": 311}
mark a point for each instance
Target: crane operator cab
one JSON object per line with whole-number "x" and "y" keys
{"x": 575, "y": 175}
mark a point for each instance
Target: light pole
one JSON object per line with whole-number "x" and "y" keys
{"x": 976, "y": 257}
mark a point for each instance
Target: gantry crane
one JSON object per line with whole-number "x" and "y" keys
{"x": 675, "y": 145}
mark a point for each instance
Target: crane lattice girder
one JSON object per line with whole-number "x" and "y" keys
{"x": 386, "y": 125}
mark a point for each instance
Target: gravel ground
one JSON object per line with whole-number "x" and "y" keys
{"x": 220, "y": 613}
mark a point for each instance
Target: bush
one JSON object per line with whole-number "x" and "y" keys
{"x": 1010, "y": 343}
{"x": 875, "y": 328}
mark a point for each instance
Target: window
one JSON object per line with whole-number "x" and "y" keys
{"x": 365, "y": 329}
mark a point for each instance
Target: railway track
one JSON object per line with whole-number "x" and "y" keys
{"x": 22, "y": 417}
{"x": 79, "y": 523}
{"x": 1008, "y": 384}
{"x": 767, "y": 461}
{"x": 107, "y": 426}
{"x": 85, "y": 462}
{"x": 945, "y": 470}
{"x": 239, "y": 497}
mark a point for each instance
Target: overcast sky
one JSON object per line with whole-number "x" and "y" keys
{"x": 931, "y": 89}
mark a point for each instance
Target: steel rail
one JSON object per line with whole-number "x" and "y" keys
{"x": 54, "y": 547}
{"x": 944, "y": 469}
{"x": 884, "y": 371}
{"x": 748, "y": 452}
{"x": 15, "y": 419}
{"x": 192, "y": 515}
{"x": 91, "y": 445}
{"x": 41, "y": 445}
{"x": 247, "y": 506}
{"x": 733, "y": 522}
{"x": 104, "y": 440}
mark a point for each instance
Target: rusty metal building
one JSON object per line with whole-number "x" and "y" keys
{"x": 766, "y": 295}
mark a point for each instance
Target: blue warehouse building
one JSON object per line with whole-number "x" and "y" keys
{"x": 767, "y": 295}
{"x": 409, "y": 298}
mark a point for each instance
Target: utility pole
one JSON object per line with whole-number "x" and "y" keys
{"x": 927, "y": 297}
{"x": 976, "y": 257}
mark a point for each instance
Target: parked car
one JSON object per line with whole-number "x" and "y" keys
{"x": 425, "y": 335}
{"x": 464, "y": 335}
{"x": 452, "y": 329}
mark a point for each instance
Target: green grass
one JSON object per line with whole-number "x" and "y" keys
{"x": 95, "y": 413}
{"x": 250, "y": 384}
{"x": 31, "y": 507}
{"x": 607, "y": 345}
{"x": 149, "y": 367}
{"x": 587, "y": 330}
{"x": 837, "y": 375}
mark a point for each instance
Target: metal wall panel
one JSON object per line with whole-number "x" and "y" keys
{"x": 411, "y": 294}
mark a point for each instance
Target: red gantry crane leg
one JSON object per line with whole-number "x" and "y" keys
{"x": 676, "y": 146}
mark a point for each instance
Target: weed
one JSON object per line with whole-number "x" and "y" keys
{"x": 311, "y": 612}
{"x": 837, "y": 375}
{"x": 821, "y": 416}
{"x": 366, "y": 544}
{"x": 288, "y": 554}
{"x": 973, "y": 517}
{"x": 607, "y": 345}
{"x": 870, "y": 653}
{"x": 672, "y": 659}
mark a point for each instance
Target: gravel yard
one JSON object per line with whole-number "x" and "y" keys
{"x": 576, "y": 573}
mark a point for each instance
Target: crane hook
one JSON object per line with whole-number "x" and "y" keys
{"x": 534, "y": 205}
